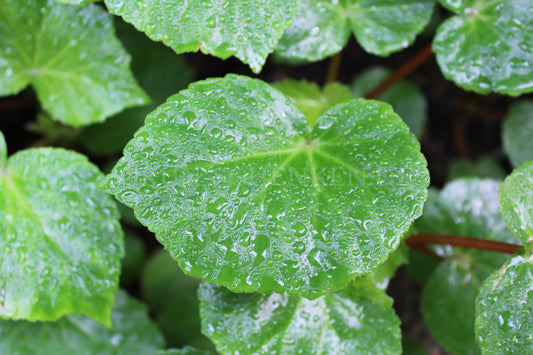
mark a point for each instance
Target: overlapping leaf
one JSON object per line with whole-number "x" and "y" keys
{"x": 244, "y": 193}
{"x": 488, "y": 45}
{"x": 322, "y": 27}
{"x": 132, "y": 333}
{"x": 247, "y": 29}
{"x": 517, "y": 132}
{"x": 357, "y": 320}
{"x": 71, "y": 57}
{"x": 60, "y": 238}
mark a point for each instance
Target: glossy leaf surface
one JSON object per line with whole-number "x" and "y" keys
{"x": 248, "y": 29}
{"x": 356, "y": 320}
{"x": 322, "y": 27}
{"x": 488, "y": 45}
{"x": 504, "y": 309}
{"x": 516, "y": 198}
{"x": 243, "y": 193}
{"x": 517, "y": 133}
{"x": 71, "y": 57}
{"x": 60, "y": 239}
{"x": 132, "y": 333}
{"x": 470, "y": 208}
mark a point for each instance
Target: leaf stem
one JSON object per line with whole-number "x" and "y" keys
{"x": 407, "y": 68}
{"x": 333, "y": 69}
{"x": 418, "y": 240}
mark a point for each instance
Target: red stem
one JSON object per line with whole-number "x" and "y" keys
{"x": 415, "y": 241}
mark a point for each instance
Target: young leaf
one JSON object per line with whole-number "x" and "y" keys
{"x": 247, "y": 29}
{"x": 322, "y": 27}
{"x": 517, "y": 132}
{"x": 504, "y": 309}
{"x": 466, "y": 207}
{"x": 61, "y": 241}
{"x": 132, "y": 333}
{"x": 405, "y": 97}
{"x": 516, "y": 198}
{"x": 71, "y": 57}
{"x": 357, "y": 320}
{"x": 244, "y": 193}
{"x": 487, "y": 46}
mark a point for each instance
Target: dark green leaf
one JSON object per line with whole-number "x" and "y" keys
{"x": 517, "y": 133}
{"x": 133, "y": 260}
{"x": 488, "y": 45}
{"x": 60, "y": 238}
{"x": 504, "y": 309}
{"x": 71, "y": 57}
{"x": 243, "y": 193}
{"x": 247, "y": 29}
{"x": 357, "y": 320}
{"x": 484, "y": 167}
{"x": 132, "y": 333}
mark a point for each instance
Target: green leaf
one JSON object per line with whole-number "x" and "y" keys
{"x": 357, "y": 320}
{"x": 132, "y": 333}
{"x": 71, "y": 57}
{"x": 484, "y": 167}
{"x": 60, "y": 241}
{"x": 172, "y": 297}
{"x": 160, "y": 72}
{"x": 516, "y": 198}
{"x": 384, "y": 272}
{"x": 76, "y": 2}
{"x": 405, "y": 97}
{"x": 133, "y": 260}
{"x": 185, "y": 351}
{"x": 3, "y": 151}
{"x": 310, "y": 100}
{"x": 517, "y": 132}
{"x": 243, "y": 193}
{"x": 247, "y": 29}
{"x": 466, "y": 207}
{"x": 322, "y": 27}
{"x": 487, "y": 46}
{"x": 504, "y": 309}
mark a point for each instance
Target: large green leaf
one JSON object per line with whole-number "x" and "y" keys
{"x": 517, "y": 132}
{"x": 488, "y": 45}
{"x": 247, "y": 29}
{"x": 357, "y": 320}
{"x": 517, "y": 203}
{"x": 504, "y": 309}
{"x": 60, "y": 238}
{"x": 322, "y": 27}
{"x": 132, "y": 333}
{"x": 244, "y": 193}
{"x": 466, "y": 207}
{"x": 71, "y": 57}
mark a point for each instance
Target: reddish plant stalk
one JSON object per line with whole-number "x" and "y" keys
{"x": 422, "y": 239}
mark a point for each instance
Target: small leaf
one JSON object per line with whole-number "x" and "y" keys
{"x": 132, "y": 333}
{"x": 60, "y": 241}
{"x": 504, "y": 309}
{"x": 517, "y": 132}
{"x": 243, "y": 193}
{"x": 488, "y": 46}
{"x": 71, "y": 57}
{"x": 322, "y": 27}
{"x": 357, "y": 320}
{"x": 247, "y": 29}
{"x": 516, "y": 198}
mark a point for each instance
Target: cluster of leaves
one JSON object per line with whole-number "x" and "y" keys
{"x": 291, "y": 202}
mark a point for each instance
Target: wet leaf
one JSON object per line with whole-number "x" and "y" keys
{"x": 516, "y": 198}
{"x": 322, "y": 27}
{"x": 71, "y": 57}
{"x": 517, "y": 132}
{"x": 60, "y": 241}
{"x": 244, "y": 193}
{"x": 132, "y": 333}
{"x": 357, "y": 320}
{"x": 504, "y": 309}
{"x": 487, "y": 46}
{"x": 247, "y": 29}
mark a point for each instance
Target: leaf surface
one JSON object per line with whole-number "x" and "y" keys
{"x": 244, "y": 193}
{"x": 517, "y": 132}
{"x": 487, "y": 46}
{"x": 357, "y": 320}
{"x": 60, "y": 241}
{"x": 71, "y": 57}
